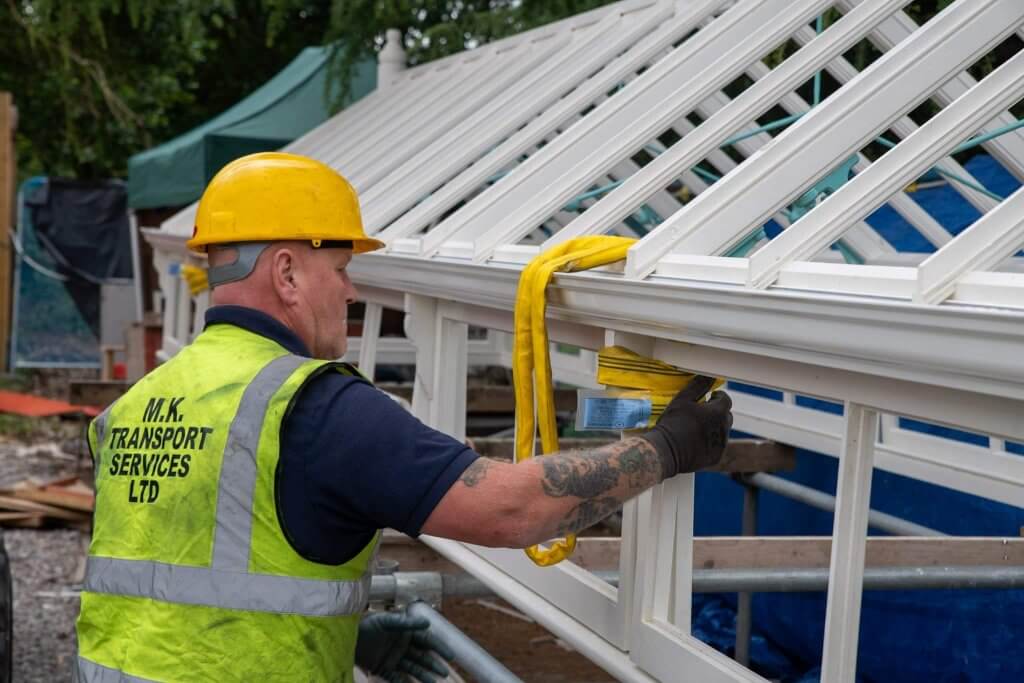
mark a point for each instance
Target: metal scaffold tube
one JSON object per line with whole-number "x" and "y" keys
{"x": 470, "y": 656}
{"x": 876, "y": 578}
{"x": 389, "y": 589}
{"x": 823, "y": 501}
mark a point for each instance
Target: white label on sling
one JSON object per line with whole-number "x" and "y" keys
{"x": 606, "y": 412}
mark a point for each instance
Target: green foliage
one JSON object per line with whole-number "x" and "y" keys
{"x": 98, "y": 80}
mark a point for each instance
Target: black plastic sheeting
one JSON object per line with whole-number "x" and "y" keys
{"x": 84, "y": 226}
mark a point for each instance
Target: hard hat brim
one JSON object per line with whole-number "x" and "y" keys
{"x": 361, "y": 245}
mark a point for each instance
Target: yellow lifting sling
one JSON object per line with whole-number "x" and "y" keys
{"x": 618, "y": 367}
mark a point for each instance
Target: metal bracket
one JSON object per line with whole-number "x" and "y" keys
{"x": 822, "y": 189}
{"x": 412, "y": 586}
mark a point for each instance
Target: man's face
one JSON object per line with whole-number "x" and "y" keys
{"x": 327, "y": 293}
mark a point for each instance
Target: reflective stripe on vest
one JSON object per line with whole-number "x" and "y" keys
{"x": 227, "y": 583}
{"x": 88, "y": 671}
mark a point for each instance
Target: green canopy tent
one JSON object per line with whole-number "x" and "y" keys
{"x": 285, "y": 107}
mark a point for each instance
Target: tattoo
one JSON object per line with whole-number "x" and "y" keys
{"x": 476, "y": 472}
{"x": 587, "y": 514}
{"x": 602, "y": 478}
{"x": 590, "y": 474}
{"x": 573, "y": 475}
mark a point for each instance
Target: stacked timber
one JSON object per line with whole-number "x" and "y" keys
{"x": 35, "y": 503}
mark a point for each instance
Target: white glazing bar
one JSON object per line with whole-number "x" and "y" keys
{"x": 861, "y": 238}
{"x": 990, "y": 289}
{"x": 421, "y": 328}
{"x": 663, "y": 530}
{"x": 904, "y": 126}
{"x": 368, "y": 339}
{"x": 849, "y": 539}
{"x": 992, "y": 238}
{"x": 450, "y": 377}
{"x": 457, "y": 104}
{"x": 1009, "y": 148}
{"x": 862, "y": 195}
{"x": 389, "y": 117}
{"x": 454, "y": 142}
{"x": 457, "y": 81}
{"x": 643, "y": 109}
{"x": 356, "y": 119}
{"x": 725, "y": 214}
{"x": 707, "y": 137}
{"x": 663, "y": 203}
{"x": 868, "y": 242}
{"x": 495, "y": 121}
{"x": 683, "y": 488}
{"x": 523, "y": 142}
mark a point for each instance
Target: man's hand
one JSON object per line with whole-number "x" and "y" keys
{"x": 690, "y": 436}
{"x": 398, "y": 647}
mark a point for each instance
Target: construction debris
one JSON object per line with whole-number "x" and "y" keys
{"x": 35, "y": 503}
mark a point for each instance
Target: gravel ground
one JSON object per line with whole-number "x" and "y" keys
{"x": 46, "y": 564}
{"x": 43, "y": 563}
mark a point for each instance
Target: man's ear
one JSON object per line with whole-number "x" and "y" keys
{"x": 283, "y": 269}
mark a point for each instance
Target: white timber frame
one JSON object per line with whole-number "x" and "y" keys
{"x": 610, "y": 123}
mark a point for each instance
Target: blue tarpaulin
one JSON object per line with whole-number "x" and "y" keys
{"x": 934, "y": 636}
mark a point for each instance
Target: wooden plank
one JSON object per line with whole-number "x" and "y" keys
{"x": 23, "y": 520}
{"x": 741, "y": 455}
{"x": 22, "y": 505}
{"x": 8, "y": 174}
{"x": 55, "y": 495}
{"x": 779, "y": 552}
{"x": 19, "y": 516}
{"x": 882, "y": 551}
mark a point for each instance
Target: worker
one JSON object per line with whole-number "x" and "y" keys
{"x": 242, "y": 485}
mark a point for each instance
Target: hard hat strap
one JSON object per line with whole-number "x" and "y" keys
{"x": 245, "y": 261}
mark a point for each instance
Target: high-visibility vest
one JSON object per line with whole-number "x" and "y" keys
{"x": 190, "y": 576}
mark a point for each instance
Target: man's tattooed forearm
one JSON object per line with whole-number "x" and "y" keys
{"x": 589, "y": 474}
{"x": 476, "y": 473}
{"x": 578, "y": 475}
{"x": 640, "y": 461}
{"x": 587, "y": 514}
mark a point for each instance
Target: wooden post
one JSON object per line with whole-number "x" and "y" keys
{"x": 7, "y": 179}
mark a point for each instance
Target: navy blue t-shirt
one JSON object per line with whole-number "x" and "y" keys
{"x": 353, "y": 460}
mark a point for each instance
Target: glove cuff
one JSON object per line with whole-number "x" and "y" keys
{"x": 663, "y": 447}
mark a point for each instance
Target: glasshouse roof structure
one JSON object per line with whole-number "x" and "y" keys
{"x": 776, "y": 161}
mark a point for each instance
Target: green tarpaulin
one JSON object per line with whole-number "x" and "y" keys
{"x": 285, "y": 107}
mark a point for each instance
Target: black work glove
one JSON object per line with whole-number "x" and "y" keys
{"x": 398, "y": 647}
{"x": 690, "y": 436}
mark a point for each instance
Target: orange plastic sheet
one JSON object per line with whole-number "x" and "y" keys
{"x": 37, "y": 406}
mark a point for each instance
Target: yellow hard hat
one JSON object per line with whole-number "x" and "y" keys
{"x": 274, "y": 196}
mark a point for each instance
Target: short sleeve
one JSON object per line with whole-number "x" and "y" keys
{"x": 353, "y": 461}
